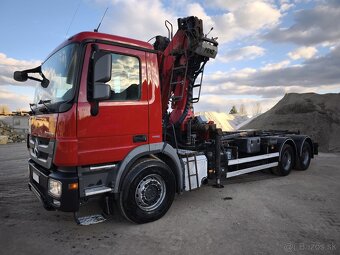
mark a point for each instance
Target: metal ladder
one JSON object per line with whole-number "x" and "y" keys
{"x": 197, "y": 87}
{"x": 195, "y": 173}
{"x": 174, "y": 83}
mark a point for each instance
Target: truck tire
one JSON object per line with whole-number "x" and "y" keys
{"x": 286, "y": 163}
{"x": 303, "y": 161}
{"x": 147, "y": 192}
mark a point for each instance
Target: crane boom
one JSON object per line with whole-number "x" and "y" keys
{"x": 181, "y": 61}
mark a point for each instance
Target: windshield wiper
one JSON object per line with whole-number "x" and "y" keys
{"x": 44, "y": 103}
{"x": 31, "y": 106}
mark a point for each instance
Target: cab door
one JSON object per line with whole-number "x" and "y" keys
{"x": 122, "y": 121}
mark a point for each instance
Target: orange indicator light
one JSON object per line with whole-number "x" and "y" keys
{"x": 73, "y": 186}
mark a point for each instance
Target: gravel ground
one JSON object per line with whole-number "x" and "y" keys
{"x": 254, "y": 214}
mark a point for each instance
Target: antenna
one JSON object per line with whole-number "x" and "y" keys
{"x": 96, "y": 30}
{"x": 211, "y": 29}
{"x": 74, "y": 15}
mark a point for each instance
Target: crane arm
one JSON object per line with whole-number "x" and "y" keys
{"x": 181, "y": 60}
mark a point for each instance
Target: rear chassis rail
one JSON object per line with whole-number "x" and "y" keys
{"x": 235, "y": 156}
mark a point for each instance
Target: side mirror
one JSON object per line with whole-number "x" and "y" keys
{"x": 102, "y": 68}
{"x": 23, "y": 76}
{"x": 101, "y": 73}
{"x": 20, "y": 76}
{"x": 101, "y": 91}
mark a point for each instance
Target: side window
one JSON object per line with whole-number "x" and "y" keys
{"x": 125, "y": 79}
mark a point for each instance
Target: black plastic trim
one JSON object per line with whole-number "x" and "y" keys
{"x": 125, "y": 45}
{"x": 69, "y": 200}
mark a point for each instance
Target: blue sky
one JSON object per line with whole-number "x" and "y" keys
{"x": 267, "y": 47}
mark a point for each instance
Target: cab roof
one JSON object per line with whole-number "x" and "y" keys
{"x": 96, "y": 36}
{"x": 110, "y": 38}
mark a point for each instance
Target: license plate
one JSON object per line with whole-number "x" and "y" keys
{"x": 35, "y": 177}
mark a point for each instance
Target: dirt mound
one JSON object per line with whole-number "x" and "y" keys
{"x": 9, "y": 135}
{"x": 312, "y": 114}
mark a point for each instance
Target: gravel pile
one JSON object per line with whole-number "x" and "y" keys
{"x": 9, "y": 135}
{"x": 312, "y": 114}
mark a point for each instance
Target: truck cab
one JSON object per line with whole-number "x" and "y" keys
{"x": 102, "y": 105}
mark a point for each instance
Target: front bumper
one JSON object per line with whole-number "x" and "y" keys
{"x": 38, "y": 183}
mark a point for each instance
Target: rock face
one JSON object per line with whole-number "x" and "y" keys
{"x": 312, "y": 114}
{"x": 12, "y": 136}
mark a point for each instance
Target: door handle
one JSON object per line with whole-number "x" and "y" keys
{"x": 139, "y": 138}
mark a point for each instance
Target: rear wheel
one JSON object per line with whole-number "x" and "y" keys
{"x": 148, "y": 191}
{"x": 305, "y": 158}
{"x": 287, "y": 161}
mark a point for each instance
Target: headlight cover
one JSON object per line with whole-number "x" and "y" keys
{"x": 54, "y": 188}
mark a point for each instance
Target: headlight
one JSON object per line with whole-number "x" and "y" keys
{"x": 54, "y": 188}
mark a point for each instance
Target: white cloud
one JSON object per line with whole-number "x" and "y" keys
{"x": 270, "y": 83}
{"x": 238, "y": 20}
{"x": 245, "y": 19}
{"x": 314, "y": 72}
{"x": 248, "y": 52}
{"x": 312, "y": 26}
{"x": 231, "y": 5}
{"x": 256, "y": 15}
{"x": 286, "y": 5}
{"x": 137, "y": 19}
{"x": 303, "y": 52}
{"x": 275, "y": 66}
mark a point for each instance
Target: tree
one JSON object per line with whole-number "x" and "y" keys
{"x": 233, "y": 110}
{"x": 243, "y": 110}
{"x": 257, "y": 109}
{"x": 4, "y": 109}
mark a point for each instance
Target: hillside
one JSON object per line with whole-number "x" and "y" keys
{"x": 315, "y": 115}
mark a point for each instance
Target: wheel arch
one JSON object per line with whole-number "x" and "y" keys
{"x": 300, "y": 140}
{"x": 289, "y": 141}
{"x": 309, "y": 141}
{"x": 167, "y": 159}
{"x": 162, "y": 151}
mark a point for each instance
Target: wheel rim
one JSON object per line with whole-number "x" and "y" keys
{"x": 286, "y": 160}
{"x": 150, "y": 192}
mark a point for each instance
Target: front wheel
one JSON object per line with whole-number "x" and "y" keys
{"x": 287, "y": 161}
{"x": 148, "y": 191}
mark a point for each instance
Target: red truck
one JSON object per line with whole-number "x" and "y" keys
{"x": 113, "y": 118}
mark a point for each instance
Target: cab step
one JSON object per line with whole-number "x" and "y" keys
{"x": 90, "y": 219}
{"x": 95, "y": 217}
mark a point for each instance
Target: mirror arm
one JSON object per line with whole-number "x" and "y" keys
{"x": 94, "y": 108}
{"x": 95, "y": 49}
{"x": 35, "y": 79}
{"x": 33, "y": 70}
{"x": 44, "y": 81}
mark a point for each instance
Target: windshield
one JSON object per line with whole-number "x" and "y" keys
{"x": 59, "y": 69}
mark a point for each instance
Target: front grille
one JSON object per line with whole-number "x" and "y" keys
{"x": 41, "y": 150}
